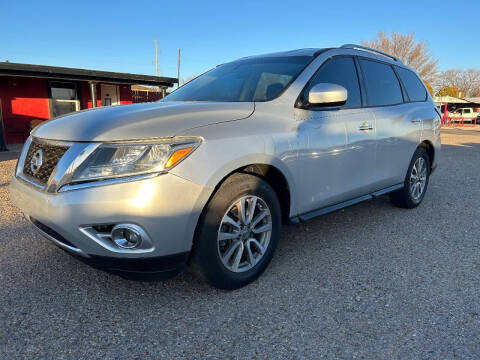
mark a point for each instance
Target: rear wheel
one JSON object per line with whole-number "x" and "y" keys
{"x": 238, "y": 232}
{"x": 416, "y": 181}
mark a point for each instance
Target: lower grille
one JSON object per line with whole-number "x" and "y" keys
{"x": 50, "y": 232}
{"x": 42, "y": 159}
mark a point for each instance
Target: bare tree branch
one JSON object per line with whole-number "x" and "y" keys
{"x": 466, "y": 81}
{"x": 412, "y": 53}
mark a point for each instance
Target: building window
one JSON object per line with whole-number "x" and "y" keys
{"x": 64, "y": 98}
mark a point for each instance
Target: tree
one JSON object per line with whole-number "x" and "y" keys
{"x": 429, "y": 87}
{"x": 447, "y": 91}
{"x": 409, "y": 51}
{"x": 467, "y": 81}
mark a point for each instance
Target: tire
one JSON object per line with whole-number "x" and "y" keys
{"x": 406, "y": 197}
{"x": 210, "y": 247}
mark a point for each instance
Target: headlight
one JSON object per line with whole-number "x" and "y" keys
{"x": 112, "y": 160}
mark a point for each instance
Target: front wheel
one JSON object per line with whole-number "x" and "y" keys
{"x": 416, "y": 181}
{"x": 237, "y": 233}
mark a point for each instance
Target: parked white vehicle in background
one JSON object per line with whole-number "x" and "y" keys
{"x": 466, "y": 113}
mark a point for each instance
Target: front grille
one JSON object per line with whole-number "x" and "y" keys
{"x": 50, "y": 156}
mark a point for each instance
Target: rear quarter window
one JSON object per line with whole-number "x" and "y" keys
{"x": 414, "y": 86}
{"x": 381, "y": 84}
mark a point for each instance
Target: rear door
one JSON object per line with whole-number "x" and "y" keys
{"x": 398, "y": 124}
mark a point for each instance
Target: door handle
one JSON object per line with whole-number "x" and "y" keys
{"x": 366, "y": 127}
{"x": 416, "y": 120}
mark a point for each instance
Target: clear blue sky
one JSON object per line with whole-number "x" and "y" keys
{"x": 118, "y": 35}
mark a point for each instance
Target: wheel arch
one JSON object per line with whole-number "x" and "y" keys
{"x": 275, "y": 174}
{"x": 430, "y": 149}
{"x": 275, "y": 178}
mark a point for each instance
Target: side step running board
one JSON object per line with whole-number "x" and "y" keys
{"x": 332, "y": 208}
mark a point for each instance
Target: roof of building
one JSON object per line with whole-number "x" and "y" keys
{"x": 55, "y": 72}
{"x": 455, "y": 100}
{"x": 145, "y": 88}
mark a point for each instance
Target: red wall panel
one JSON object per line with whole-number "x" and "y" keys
{"x": 86, "y": 103}
{"x": 23, "y": 100}
{"x": 125, "y": 94}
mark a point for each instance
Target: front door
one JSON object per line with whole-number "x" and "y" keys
{"x": 320, "y": 170}
{"x": 338, "y": 154}
{"x": 109, "y": 95}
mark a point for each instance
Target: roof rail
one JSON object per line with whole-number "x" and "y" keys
{"x": 374, "y": 51}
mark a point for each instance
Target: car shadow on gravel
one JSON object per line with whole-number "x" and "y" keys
{"x": 305, "y": 245}
{"x": 371, "y": 280}
{"x": 54, "y": 270}
{"x": 295, "y": 253}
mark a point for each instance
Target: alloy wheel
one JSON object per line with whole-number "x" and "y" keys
{"x": 418, "y": 179}
{"x": 244, "y": 233}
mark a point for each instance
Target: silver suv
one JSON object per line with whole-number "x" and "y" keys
{"x": 206, "y": 176}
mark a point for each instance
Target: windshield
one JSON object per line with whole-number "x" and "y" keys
{"x": 256, "y": 79}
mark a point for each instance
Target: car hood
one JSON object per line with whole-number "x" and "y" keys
{"x": 140, "y": 121}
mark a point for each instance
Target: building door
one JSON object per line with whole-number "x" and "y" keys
{"x": 110, "y": 95}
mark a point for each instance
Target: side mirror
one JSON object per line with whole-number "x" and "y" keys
{"x": 325, "y": 94}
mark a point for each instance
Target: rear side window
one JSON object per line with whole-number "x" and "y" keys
{"x": 340, "y": 71}
{"x": 381, "y": 84}
{"x": 415, "y": 89}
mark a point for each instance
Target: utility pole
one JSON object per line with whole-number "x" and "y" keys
{"x": 178, "y": 69}
{"x": 156, "y": 57}
{"x": 3, "y": 141}
{"x": 93, "y": 93}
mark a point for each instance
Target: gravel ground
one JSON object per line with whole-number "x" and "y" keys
{"x": 369, "y": 282}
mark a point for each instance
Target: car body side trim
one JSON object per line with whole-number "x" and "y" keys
{"x": 325, "y": 210}
{"x": 112, "y": 181}
{"x": 388, "y": 190}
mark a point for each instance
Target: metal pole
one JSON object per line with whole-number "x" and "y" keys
{"x": 3, "y": 142}
{"x": 93, "y": 93}
{"x": 178, "y": 70}
{"x": 156, "y": 57}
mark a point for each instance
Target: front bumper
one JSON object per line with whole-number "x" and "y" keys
{"x": 166, "y": 207}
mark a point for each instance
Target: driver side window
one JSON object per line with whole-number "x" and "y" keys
{"x": 340, "y": 71}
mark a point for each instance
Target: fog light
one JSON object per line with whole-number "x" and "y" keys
{"x": 126, "y": 236}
